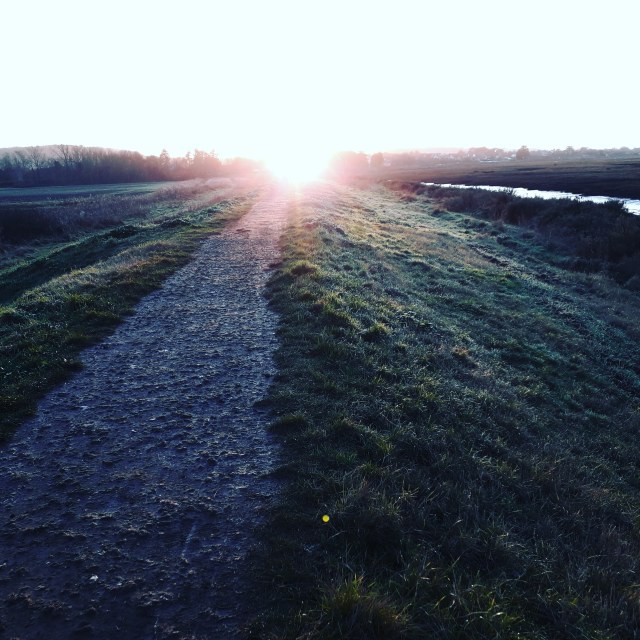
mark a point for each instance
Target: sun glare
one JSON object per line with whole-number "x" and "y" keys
{"x": 296, "y": 168}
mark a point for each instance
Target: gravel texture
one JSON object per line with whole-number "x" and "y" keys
{"x": 127, "y": 504}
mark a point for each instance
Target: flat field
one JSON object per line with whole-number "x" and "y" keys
{"x": 47, "y": 194}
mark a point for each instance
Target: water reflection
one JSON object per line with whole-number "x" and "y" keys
{"x": 633, "y": 206}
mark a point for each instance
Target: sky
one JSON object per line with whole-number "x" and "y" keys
{"x": 271, "y": 79}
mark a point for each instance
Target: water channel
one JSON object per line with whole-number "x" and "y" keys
{"x": 633, "y": 206}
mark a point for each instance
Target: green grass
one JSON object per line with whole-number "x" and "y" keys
{"x": 63, "y": 293}
{"x": 466, "y": 412}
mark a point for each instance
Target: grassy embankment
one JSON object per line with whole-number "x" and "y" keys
{"x": 465, "y": 410}
{"x": 72, "y": 268}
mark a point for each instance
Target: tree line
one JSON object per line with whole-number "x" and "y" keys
{"x": 71, "y": 164}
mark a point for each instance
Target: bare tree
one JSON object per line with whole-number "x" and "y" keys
{"x": 65, "y": 155}
{"x": 36, "y": 160}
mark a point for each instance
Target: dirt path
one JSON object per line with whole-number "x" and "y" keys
{"x": 127, "y": 504}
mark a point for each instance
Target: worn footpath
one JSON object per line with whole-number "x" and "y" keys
{"x": 127, "y": 504}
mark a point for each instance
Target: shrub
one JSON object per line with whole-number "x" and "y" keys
{"x": 22, "y": 224}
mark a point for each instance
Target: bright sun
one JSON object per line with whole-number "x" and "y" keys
{"x": 297, "y": 167}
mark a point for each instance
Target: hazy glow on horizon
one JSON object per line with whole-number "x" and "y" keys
{"x": 272, "y": 80}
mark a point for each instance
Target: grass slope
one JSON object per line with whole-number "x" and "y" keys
{"x": 466, "y": 413}
{"x": 64, "y": 293}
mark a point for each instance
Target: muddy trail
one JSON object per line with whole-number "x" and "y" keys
{"x": 127, "y": 504}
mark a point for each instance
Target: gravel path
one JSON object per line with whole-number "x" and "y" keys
{"x": 127, "y": 504}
